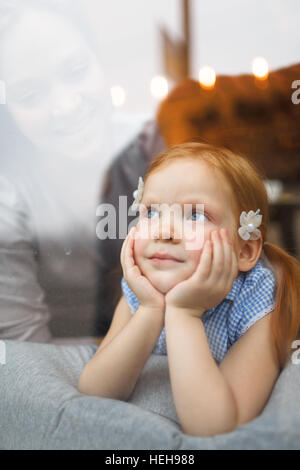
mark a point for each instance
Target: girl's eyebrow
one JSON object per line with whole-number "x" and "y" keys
{"x": 199, "y": 200}
{"x": 189, "y": 200}
{"x": 150, "y": 200}
{"x": 207, "y": 203}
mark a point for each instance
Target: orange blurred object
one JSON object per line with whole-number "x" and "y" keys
{"x": 261, "y": 122}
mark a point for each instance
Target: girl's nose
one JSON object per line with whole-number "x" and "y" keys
{"x": 169, "y": 229}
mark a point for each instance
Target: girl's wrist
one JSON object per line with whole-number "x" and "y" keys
{"x": 155, "y": 314}
{"x": 173, "y": 311}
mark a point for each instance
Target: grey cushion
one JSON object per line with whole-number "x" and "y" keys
{"x": 40, "y": 407}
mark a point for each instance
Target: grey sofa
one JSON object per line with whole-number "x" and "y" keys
{"x": 41, "y": 408}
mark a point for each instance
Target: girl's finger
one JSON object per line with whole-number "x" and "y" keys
{"x": 234, "y": 266}
{"x": 204, "y": 266}
{"x": 122, "y": 255}
{"x": 218, "y": 256}
{"x": 232, "y": 275}
{"x": 227, "y": 248}
{"x": 129, "y": 260}
{"x": 123, "y": 250}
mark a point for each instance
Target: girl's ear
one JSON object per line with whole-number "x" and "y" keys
{"x": 248, "y": 254}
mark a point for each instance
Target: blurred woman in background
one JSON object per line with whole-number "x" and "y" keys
{"x": 54, "y": 147}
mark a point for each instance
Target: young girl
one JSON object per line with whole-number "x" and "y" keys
{"x": 224, "y": 307}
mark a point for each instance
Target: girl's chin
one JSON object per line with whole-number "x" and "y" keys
{"x": 164, "y": 285}
{"x": 163, "y": 290}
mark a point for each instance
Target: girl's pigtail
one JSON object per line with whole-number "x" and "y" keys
{"x": 286, "y": 318}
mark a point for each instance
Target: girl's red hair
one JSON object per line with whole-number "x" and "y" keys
{"x": 249, "y": 193}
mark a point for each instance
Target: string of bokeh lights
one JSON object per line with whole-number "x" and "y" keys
{"x": 159, "y": 86}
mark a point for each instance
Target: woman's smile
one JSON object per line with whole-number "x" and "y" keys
{"x": 74, "y": 125}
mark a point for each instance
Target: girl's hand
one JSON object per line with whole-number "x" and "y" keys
{"x": 147, "y": 295}
{"x": 212, "y": 279}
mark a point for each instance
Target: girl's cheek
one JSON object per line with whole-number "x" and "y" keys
{"x": 140, "y": 246}
{"x": 194, "y": 256}
{"x": 137, "y": 248}
{"x": 143, "y": 229}
{"x": 194, "y": 239}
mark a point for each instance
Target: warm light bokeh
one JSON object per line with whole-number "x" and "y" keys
{"x": 260, "y": 68}
{"x": 159, "y": 87}
{"x": 207, "y": 77}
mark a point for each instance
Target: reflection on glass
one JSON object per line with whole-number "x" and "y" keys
{"x": 55, "y": 147}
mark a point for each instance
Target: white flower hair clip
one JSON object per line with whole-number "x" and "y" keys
{"x": 138, "y": 194}
{"x": 249, "y": 225}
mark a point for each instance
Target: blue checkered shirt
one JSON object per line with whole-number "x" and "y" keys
{"x": 252, "y": 297}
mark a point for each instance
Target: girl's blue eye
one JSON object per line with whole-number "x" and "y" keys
{"x": 197, "y": 216}
{"x": 152, "y": 213}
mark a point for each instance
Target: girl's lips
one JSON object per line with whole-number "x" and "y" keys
{"x": 164, "y": 256}
{"x": 159, "y": 258}
{"x": 164, "y": 260}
